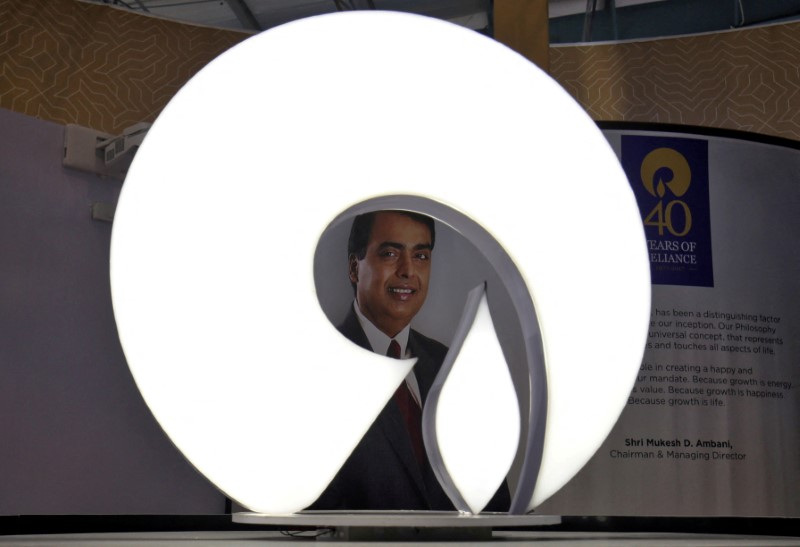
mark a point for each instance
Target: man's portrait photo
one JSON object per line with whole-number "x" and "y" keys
{"x": 390, "y": 262}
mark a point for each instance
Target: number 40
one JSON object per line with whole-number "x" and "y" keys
{"x": 661, "y": 217}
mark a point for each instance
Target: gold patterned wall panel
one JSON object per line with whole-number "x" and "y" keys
{"x": 73, "y": 62}
{"x": 93, "y": 65}
{"x": 746, "y": 80}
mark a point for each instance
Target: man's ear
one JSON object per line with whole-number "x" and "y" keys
{"x": 352, "y": 268}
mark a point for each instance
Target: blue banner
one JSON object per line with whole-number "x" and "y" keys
{"x": 669, "y": 177}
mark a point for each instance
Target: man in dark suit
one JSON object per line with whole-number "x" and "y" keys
{"x": 389, "y": 265}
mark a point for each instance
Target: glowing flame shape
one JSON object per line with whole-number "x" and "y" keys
{"x": 471, "y": 424}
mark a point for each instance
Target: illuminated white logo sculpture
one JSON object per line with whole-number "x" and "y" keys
{"x": 221, "y": 212}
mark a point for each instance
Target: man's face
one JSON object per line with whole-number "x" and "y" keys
{"x": 392, "y": 278}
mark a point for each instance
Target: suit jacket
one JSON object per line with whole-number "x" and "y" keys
{"x": 382, "y": 473}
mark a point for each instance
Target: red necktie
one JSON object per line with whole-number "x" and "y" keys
{"x": 412, "y": 413}
{"x": 394, "y": 349}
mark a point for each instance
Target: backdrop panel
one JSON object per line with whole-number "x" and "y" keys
{"x": 711, "y": 427}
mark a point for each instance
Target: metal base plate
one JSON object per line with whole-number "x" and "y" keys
{"x": 399, "y": 525}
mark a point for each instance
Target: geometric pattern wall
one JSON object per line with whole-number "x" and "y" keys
{"x": 73, "y": 62}
{"x": 747, "y": 79}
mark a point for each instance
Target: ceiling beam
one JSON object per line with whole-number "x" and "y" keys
{"x": 244, "y": 14}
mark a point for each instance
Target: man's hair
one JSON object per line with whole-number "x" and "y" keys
{"x": 361, "y": 231}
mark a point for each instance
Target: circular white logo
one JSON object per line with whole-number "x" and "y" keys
{"x": 218, "y": 221}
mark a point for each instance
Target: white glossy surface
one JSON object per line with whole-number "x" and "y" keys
{"x": 216, "y": 227}
{"x": 477, "y": 423}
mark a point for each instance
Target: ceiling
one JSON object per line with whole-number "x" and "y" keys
{"x": 263, "y": 14}
{"x": 570, "y": 20}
